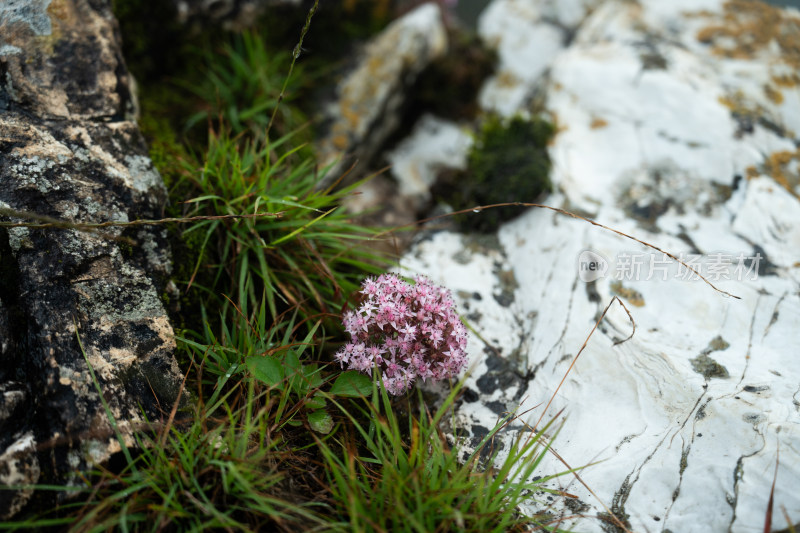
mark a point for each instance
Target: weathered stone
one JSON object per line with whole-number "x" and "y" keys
{"x": 433, "y": 145}
{"x": 371, "y": 97}
{"x": 678, "y": 124}
{"x": 528, "y": 35}
{"x": 62, "y": 60}
{"x": 68, "y": 150}
{"x": 19, "y": 466}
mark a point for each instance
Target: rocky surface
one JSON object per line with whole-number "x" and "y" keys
{"x": 70, "y": 150}
{"x": 371, "y": 97}
{"x": 679, "y": 124}
{"x": 433, "y": 145}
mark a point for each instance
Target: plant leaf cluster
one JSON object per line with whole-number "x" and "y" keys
{"x": 408, "y": 479}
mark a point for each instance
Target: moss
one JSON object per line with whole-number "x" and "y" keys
{"x": 508, "y": 163}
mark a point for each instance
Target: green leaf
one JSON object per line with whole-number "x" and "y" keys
{"x": 312, "y": 375}
{"x": 266, "y": 369}
{"x": 320, "y": 421}
{"x": 292, "y": 362}
{"x": 295, "y": 374}
{"x": 352, "y": 384}
{"x": 315, "y": 402}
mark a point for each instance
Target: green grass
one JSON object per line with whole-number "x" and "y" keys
{"x": 309, "y": 254}
{"x": 242, "y": 83}
{"x": 227, "y": 465}
{"x": 401, "y": 475}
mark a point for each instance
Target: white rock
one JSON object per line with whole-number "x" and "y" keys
{"x": 528, "y": 35}
{"x": 663, "y": 139}
{"x": 769, "y": 218}
{"x": 526, "y": 47}
{"x": 435, "y": 143}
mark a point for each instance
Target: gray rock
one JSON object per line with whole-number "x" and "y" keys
{"x": 19, "y": 466}
{"x": 371, "y": 96}
{"x": 69, "y": 150}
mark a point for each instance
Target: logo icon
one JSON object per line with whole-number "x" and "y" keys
{"x": 591, "y": 266}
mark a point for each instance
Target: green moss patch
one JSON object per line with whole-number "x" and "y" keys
{"x": 508, "y": 163}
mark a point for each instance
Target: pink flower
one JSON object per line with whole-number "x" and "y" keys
{"x": 407, "y": 331}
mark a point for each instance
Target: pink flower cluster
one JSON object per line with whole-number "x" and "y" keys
{"x": 407, "y": 331}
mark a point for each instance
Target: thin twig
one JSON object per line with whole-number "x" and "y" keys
{"x": 770, "y": 502}
{"x": 534, "y": 429}
{"x": 614, "y": 518}
{"x": 50, "y": 222}
{"x": 585, "y": 342}
{"x": 479, "y": 208}
{"x": 295, "y": 54}
{"x": 165, "y": 431}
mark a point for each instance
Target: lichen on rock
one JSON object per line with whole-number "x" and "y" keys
{"x": 372, "y": 95}
{"x": 68, "y": 150}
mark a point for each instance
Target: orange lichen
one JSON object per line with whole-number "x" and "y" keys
{"x": 786, "y": 80}
{"x": 634, "y": 297}
{"x": 340, "y": 142}
{"x": 749, "y": 27}
{"x": 778, "y": 166}
{"x": 774, "y": 95}
{"x": 352, "y": 116}
{"x": 741, "y": 105}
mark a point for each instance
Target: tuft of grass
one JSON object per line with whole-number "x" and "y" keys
{"x": 222, "y": 470}
{"x": 274, "y": 356}
{"x": 311, "y": 257}
{"x": 242, "y": 83}
{"x": 387, "y": 477}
